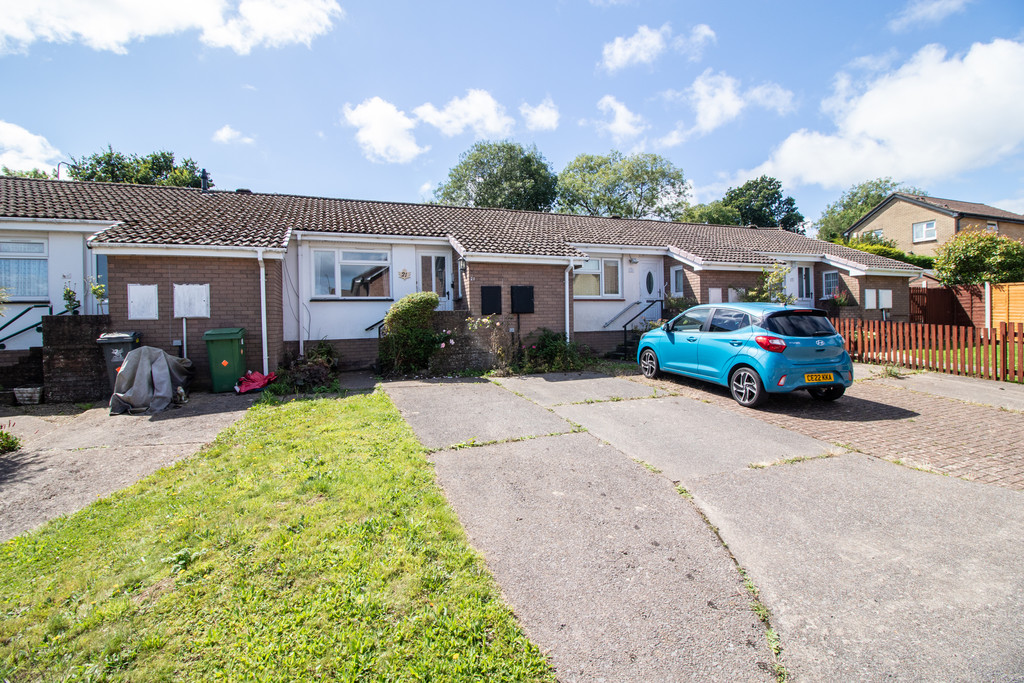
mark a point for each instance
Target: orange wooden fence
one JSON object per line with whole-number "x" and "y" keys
{"x": 990, "y": 353}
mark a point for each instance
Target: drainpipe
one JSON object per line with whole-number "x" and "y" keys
{"x": 988, "y": 305}
{"x": 263, "y": 310}
{"x": 298, "y": 289}
{"x": 567, "y": 300}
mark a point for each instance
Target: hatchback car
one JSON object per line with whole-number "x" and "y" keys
{"x": 754, "y": 349}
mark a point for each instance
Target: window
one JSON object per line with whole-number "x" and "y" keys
{"x": 23, "y": 270}
{"x": 803, "y": 277}
{"x": 924, "y": 231}
{"x": 830, "y": 284}
{"x": 678, "y": 281}
{"x": 597, "y": 278}
{"x": 691, "y": 321}
{"x": 728, "y": 320}
{"x": 877, "y": 234}
{"x": 352, "y": 274}
{"x": 992, "y": 226}
{"x": 799, "y": 324}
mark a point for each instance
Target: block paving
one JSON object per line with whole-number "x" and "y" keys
{"x": 973, "y": 442}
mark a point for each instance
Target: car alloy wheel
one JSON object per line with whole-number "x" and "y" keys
{"x": 746, "y": 387}
{"x": 827, "y": 393}
{"x": 649, "y": 364}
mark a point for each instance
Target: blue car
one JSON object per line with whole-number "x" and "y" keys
{"x": 755, "y": 349}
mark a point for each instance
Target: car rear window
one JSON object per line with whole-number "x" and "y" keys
{"x": 799, "y": 324}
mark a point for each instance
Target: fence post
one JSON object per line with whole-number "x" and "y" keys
{"x": 1005, "y": 348}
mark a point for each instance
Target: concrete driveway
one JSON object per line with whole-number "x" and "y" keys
{"x": 870, "y": 570}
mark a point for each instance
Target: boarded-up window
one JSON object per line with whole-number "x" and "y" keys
{"x": 191, "y": 301}
{"x": 714, "y": 295}
{"x": 143, "y": 302}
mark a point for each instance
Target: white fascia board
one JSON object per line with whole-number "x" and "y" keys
{"x": 884, "y": 272}
{"x": 791, "y": 256}
{"x": 211, "y": 251}
{"x": 349, "y": 237}
{"x": 686, "y": 257}
{"x": 541, "y": 260}
{"x": 57, "y": 224}
{"x": 618, "y": 249}
{"x": 459, "y": 249}
{"x": 722, "y": 265}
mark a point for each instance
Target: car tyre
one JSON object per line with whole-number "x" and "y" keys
{"x": 649, "y": 364}
{"x": 746, "y": 387}
{"x": 827, "y": 393}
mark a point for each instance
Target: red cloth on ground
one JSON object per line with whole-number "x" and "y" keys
{"x": 252, "y": 381}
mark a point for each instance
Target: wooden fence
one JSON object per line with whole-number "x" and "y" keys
{"x": 1008, "y": 303}
{"x": 989, "y": 353}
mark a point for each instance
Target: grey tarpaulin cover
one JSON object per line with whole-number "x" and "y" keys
{"x": 149, "y": 381}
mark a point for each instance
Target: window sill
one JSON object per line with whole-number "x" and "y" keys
{"x": 596, "y": 298}
{"x": 930, "y": 239}
{"x": 319, "y": 299}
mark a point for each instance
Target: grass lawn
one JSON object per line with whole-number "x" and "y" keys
{"x": 308, "y": 542}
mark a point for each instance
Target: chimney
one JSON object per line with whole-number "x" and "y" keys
{"x": 206, "y": 180}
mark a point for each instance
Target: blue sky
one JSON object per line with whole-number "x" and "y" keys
{"x": 377, "y": 100}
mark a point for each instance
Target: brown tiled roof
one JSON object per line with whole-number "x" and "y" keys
{"x": 969, "y": 208}
{"x": 188, "y": 217}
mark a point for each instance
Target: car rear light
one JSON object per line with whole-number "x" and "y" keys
{"x": 782, "y": 381}
{"x": 773, "y": 344}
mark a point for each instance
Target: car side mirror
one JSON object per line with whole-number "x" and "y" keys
{"x": 667, "y": 327}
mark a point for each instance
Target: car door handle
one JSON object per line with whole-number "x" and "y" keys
{"x": 736, "y": 342}
{"x": 691, "y": 339}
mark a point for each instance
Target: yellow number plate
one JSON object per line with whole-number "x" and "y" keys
{"x": 822, "y": 377}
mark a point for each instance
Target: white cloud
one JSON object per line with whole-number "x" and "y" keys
{"x": 248, "y": 86}
{"x": 542, "y": 117}
{"x": 112, "y": 24}
{"x": 895, "y": 126}
{"x": 426, "y": 190}
{"x": 1016, "y": 205}
{"x": 676, "y": 137}
{"x": 477, "y": 110}
{"x": 227, "y": 135}
{"x": 624, "y": 124}
{"x": 23, "y": 151}
{"x": 693, "y": 45}
{"x": 926, "y": 12}
{"x": 385, "y": 133}
{"x": 773, "y": 97}
{"x": 643, "y": 47}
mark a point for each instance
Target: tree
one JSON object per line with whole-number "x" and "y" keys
{"x": 157, "y": 168}
{"x": 637, "y": 186}
{"x": 712, "y": 213}
{"x": 500, "y": 174}
{"x": 855, "y": 203}
{"x": 34, "y": 173}
{"x": 771, "y": 286}
{"x": 973, "y": 257}
{"x": 760, "y": 202}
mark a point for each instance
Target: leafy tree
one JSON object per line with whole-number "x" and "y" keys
{"x": 638, "y": 186}
{"x": 157, "y": 168}
{"x": 760, "y": 202}
{"x": 886, "y": 248}
{"x": 34, "y": 173}
{"x": 500, "y": 174}
{"x": 771, "y": 286}
{"x": 712, "y": 213}
{"x": 974, "y": 257}
{"x": 854, "y": 203}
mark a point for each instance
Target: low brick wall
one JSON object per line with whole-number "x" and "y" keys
{"x": 473, "y": 349}
{"x": 73, "y": 366}
{"x": 599, "y": 343}
{"x": 21, "y": 368}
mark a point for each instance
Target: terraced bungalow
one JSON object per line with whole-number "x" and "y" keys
{"x": 294, "y": 270}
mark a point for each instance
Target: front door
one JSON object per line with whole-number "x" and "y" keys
{"x": 435, "y": 276}
{"x": 805, "y": 285}
{"x": 651, "y": 273}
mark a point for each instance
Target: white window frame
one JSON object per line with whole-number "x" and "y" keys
{"x": 28, "y": 256}
{"x": 673, "y": 273}
{"x": 993, "y": 226}
{"x": 339, "y": 261}
{"x": 599, "y": 270}
{"x": 827, "y": 293}
{"x": 926, "y": 226}
{"x": 805, "y": 282}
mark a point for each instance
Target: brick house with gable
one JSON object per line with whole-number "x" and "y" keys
{"x": 294, "y": 270}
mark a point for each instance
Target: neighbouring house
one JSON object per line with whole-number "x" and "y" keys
{"x": 920, "y": 225}
{"x": 294, "y": 270}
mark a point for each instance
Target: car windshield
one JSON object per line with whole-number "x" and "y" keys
{"x": 799, "y": 324}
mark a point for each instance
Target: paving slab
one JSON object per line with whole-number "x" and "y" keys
{"x": 874, "y": 571}
{"x": 610, "y": 571}
{"x": 69, "y": 460}
{"x": 688, "y": 439}
{"x": 573, "y": 387}
{"x": 970, "y": 389}
{"x": 454, "y": 411}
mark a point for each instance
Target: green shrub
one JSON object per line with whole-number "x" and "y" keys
{"x": 409, "y": 339}
{"x": 550, "y": 352}
{"x": 316, "y": 372}
{"x": 8, "y": 442}
{"x": 892, "y": 252}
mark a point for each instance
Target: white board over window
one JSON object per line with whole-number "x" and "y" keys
{"x": 885, "y": 298}
{"x": 192, "y": 301}
{"x": 143, "y": 302}
{"x": 714, "y": 295}
{"x": 870, "y": 299}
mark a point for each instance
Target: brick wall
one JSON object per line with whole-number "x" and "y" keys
{"x": 234, "y": 302}
{"x": 897, "y": 223}
{"x": 73, "y": 365}
{"x": 724, "y": 279}
{"x": 600, "y": 342}
{"x": 548, "y": 292}
{"x": 21, "y": 368}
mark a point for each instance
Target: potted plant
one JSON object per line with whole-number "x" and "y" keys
{"x": 71, "y": 302}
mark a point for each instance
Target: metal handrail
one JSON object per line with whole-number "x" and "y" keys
{"x": 619, "y": 314}
{"x": 33, "y": 326}
{"x": 625, "y": 328}
{"x": 376, "y": 324}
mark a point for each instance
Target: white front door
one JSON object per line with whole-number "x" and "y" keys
{"x": 804, "y": 285}
{"x": 435, "y": 275}
{"x": 651, "y": 275}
